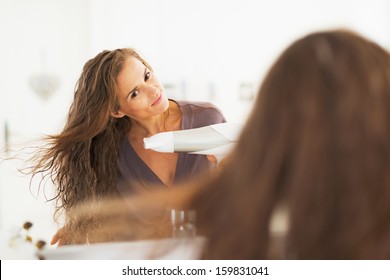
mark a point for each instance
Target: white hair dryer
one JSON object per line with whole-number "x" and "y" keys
{"x": 217, "y": 139}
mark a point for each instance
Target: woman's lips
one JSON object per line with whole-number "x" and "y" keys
{"x": 158, "y": 100}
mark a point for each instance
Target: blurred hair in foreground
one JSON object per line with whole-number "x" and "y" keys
{"x": 316, "y": 145}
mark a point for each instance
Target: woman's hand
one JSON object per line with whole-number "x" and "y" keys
{"x": 217, "y": 163}
{"x": 213, "y": 160}
{"x": 58, "y": 237}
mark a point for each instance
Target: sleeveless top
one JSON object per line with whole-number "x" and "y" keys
{"x": 135, "y": 176}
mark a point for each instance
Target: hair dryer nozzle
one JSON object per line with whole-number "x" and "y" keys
{"x": 160, "y": 142}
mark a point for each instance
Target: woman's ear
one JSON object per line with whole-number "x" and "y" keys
{"x": 117, "y": 114}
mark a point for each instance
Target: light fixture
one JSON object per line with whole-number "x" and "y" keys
{"x": 44, "y": 84}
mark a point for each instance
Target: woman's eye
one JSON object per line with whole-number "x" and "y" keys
{"x": 134, "y": 94}
{"x": 147, "y": 76}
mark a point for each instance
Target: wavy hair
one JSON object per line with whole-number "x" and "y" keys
{"x": 81, "y": 160}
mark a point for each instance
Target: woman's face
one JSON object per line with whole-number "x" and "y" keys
{"x": 140, "y": 94}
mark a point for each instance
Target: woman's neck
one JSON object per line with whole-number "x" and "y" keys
{"x": 167, "y": 121}
{"x": 146, "y": 128}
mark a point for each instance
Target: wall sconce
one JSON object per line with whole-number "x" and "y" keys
{"x": 44, "y": 85}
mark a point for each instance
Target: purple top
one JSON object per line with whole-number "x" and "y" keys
{"x": 135, "y": 176}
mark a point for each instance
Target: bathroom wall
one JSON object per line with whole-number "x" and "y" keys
{"x": 38, "y": 37}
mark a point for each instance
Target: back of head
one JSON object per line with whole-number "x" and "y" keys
{"x": 316, "y": 142}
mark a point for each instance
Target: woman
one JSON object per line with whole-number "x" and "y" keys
{"x": 117, "y": 102}
{"x": 314, "y": 156}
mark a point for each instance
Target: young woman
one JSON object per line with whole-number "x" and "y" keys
{"x": 117, "y": 102}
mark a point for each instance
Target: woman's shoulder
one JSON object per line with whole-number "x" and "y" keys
{"x": 201, "y": 113}
{"x": 198, "y": 106}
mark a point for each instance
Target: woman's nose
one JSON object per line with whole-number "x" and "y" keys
{"x": 153, "y": 90}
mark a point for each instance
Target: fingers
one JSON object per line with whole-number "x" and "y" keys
{"x": 54, "y": 240}
{"x": 212, "y": 159}
{"x": 57, "y": 237}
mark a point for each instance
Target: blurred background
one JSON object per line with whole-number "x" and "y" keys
{"x": 210, "y": 50}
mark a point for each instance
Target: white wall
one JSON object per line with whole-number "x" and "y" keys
{"x": 37, "y": 36}
{"x": 205, "y": 48}
{"x": 218, "y": 45}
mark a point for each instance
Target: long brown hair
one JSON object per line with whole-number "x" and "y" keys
{"x": 81, "y": 160}
{"x": 318, "y": 142}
